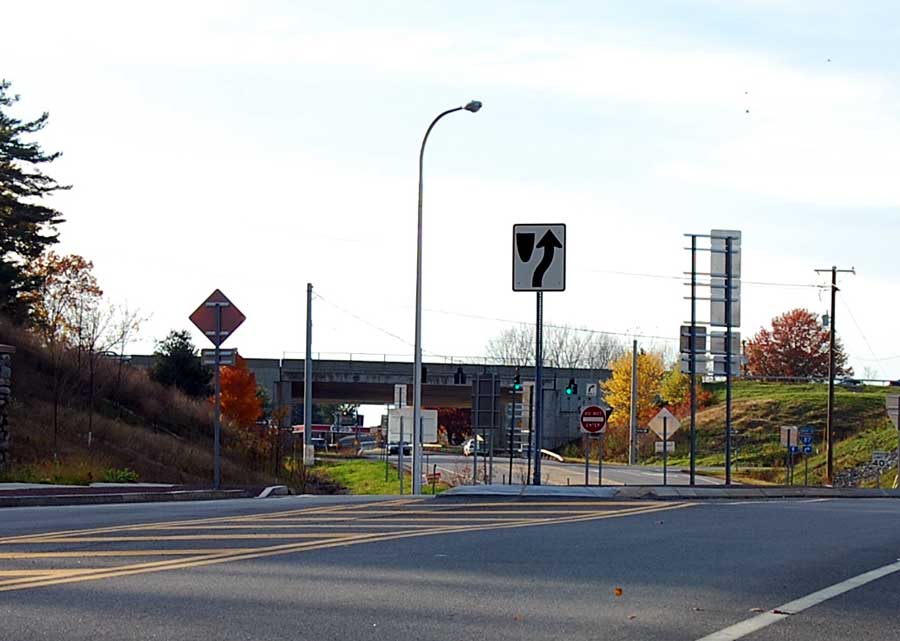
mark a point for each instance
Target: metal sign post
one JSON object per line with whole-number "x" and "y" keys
{"x": 725, "y": 311}
{"x": 217, "y": 413}
{"x": 538, "y": 388}
{"x": 539, "y": 271}
{"x": 600, "y": 460}
{"x": 217, "y": 318}
{"x": 400, "y": 456}
{"x": 665, "y": 449}
{"x": 593, "y": 420}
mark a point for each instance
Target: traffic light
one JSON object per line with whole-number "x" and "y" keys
{"x": 517, "y": 383}
{"x": 424, "y": 374}
{"x": 572, "y": 387}
{"x": 459, "y": 378}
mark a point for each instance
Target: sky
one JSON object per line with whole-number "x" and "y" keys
{"x": 256, "y": 147}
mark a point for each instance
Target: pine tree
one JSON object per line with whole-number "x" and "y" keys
{"x": 26, "y": 226}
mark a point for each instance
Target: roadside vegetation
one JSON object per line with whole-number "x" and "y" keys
{"x": 760, "y": 409}
{"x": 363, "y": 476}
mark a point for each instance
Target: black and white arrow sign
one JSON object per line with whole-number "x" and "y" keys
{"x": 539, "y": 258}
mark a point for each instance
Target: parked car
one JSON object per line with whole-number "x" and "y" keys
{"x": 850, "y": 382}
{"x": 318, "y": 443}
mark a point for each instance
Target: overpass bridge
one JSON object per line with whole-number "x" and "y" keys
{"x": 446, "y": 385}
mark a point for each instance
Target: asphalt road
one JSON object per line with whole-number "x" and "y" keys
{"x": 351, "y": 569}
{"x": 555, "y": 473}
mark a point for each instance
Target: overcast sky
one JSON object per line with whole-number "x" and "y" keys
{"x": 258, "y": 146}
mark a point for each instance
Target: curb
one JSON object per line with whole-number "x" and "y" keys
{"x": 130, "y": 497}
{"x": 671, "y": 493}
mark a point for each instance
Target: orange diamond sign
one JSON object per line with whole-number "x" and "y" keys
{"x": 204, "y": 317}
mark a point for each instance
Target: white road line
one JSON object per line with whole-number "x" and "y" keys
{"x": 751, "y": 625}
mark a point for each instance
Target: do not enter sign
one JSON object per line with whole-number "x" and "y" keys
{"x": 593, "y": 419}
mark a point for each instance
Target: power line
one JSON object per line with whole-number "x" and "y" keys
{"x": 863, "y": 334}
{"x": 687, "y": 280}
{"x": 362, "y": 320}
{"x": 574, "y": 329}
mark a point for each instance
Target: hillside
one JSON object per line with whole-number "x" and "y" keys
{"x": 760, "y": 409}
{"x": 155, "y": 431}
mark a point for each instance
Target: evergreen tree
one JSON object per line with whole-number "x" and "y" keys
{"x": 178, "y": 363}
{"x": 26, "y": 226}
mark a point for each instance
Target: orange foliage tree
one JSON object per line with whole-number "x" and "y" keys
{"x": 796, "y": 346}
{"x": 242, "y": 406}
{"x": 240, "y": 403}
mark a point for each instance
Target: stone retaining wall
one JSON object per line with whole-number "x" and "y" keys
{"x": 6, "y": 352}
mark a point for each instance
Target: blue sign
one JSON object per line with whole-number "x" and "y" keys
{"x": 806, "y": 440}
{"x": 794, "y": 449}
{"x": 807, "y": 449}
{"x": 807, "y": 429}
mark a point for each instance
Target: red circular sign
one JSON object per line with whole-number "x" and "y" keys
{"x": 593, "y": 419}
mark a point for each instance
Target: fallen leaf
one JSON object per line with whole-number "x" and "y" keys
{"x": 757, "y": 610}
{"x": 632, "y": 616}
{"x": 618, "y": 591}
{"x": 697, "y": 609}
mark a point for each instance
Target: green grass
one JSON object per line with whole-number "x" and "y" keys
{"x": 759, "y": 410}
{"x": 360, "y": 476}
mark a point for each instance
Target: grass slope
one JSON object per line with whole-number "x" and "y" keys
{"x": 760, "y": 409}
{"x": 137, "y": 425}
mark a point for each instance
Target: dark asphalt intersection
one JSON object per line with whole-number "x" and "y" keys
{"x": 300, "y": 568}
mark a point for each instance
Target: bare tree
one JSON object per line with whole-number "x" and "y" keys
{"x": 126, "y": 323}
{"x": 564, "y": 346}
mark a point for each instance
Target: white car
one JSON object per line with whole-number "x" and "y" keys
{"x": 469, "y": 447}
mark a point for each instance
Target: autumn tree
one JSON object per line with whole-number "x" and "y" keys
{"x": 796, "y": 346}
{"x": 177, "y": 363}
{"x": 27, "y": 227}
{"x": 675, "y": 391}
{"x": 617, "y": 391}
{"x": 564, "y": 346}
{"x": 240, "y": 402}
{"x": 64, "y": 311}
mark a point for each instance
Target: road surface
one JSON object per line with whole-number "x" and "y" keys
{"x": 450, "y": 570}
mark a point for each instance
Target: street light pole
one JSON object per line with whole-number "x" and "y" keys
{"x": 472, "y": 106}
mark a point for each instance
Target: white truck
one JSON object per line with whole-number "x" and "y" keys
{"x": 429, "y": 428}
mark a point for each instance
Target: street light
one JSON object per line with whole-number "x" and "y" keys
{"x": 472, "y": 106}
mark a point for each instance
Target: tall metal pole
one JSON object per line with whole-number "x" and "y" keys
{"x": 495, "y": 385}
{"x": 538, "y": 387}
{"x": 692, "y": 358}
{"x": 417, "y": 372}
{"x": 530, "y": 432}
{"x": 308, "y": 453}
{"x": 217, "y": 416}
{"x": 512, "y": 423}
{"x": 600, "y": 459}
{"x": 400, "y": 456}
{"x": 632, "y": 433}
{"x": 728, "y": 322}
{"x": 586, "y": 445}
{"x": 665, "y": 450}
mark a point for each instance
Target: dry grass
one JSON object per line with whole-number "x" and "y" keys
{"x": 138, "y": 424}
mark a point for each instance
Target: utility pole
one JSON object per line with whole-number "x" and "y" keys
{"x": 829, "y": 430}
{"x": 308, "y": 452}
